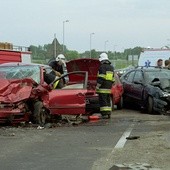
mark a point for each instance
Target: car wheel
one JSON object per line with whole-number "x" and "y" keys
{"x": 150, "y": 105}
{"x": 112, "y": 103}
{"x": 120, "y": 104}
{"x": 39, "y": 113}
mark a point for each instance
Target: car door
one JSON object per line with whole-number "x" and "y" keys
{"x": 137, "y": 88}
{"x": 70, "y": 100}
{"x": 127, "y": 82}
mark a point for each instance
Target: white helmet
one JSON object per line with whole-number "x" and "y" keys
{"x": 61, "y": 58}
{"x": 103, "y": 56}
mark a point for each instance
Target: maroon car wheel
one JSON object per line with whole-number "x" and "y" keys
{"x": 112, "y": 103}
{"x": 120, "y": 104}
{"x": 150, "y": 105}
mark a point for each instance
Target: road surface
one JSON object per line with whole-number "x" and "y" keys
{"x": 129, "y": 139}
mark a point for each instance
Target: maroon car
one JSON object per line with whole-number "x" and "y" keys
{"x": 92, "y": 66}
{"x": 25, "y": 95}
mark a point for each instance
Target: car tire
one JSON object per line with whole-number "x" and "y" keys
{"x": 150, "y": 105}
{"x": 39, "y": 113}
{"x": 120, "y": 104}
{"x": 111, "y": 103}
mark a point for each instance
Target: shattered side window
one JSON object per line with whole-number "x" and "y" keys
{"x": 130, "y": 76}
{"x": 20, "y": 72}
{"x": 138, "y": 76}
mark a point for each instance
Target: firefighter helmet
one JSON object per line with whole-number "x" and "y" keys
{"x": 61, "y": 58}
{"x": 103, "y": 56}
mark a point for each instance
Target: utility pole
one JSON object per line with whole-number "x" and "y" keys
{"x": 55, "y": 45}
{"x": 90, "y": 42}
{"x": 105, "y": 45}
{"x": 64, "y": 32}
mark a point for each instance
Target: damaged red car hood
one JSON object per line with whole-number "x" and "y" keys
{"x": 84, "y": 64}
{"x": 12, "y": 91}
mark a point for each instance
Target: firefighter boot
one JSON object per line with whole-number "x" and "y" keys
{"x": 106, "y": 115}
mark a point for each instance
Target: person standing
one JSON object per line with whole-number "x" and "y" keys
{"x": 105, "y": 80}
{"x": 159, "y": 63}
{"x": 167, "y": 64}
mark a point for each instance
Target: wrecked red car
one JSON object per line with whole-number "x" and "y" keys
{"x": 26, "y": 96}
{"x": 21, "y": 87}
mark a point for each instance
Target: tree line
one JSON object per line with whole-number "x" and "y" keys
{"x": 46, "y": 52}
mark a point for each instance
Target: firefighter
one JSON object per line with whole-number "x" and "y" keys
{"x": 57, "y": 66}
{"x": 105, "y": 80}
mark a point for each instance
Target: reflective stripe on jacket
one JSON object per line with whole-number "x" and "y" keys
{"x": 55, "y": 84}
{"x": 108, "y": 76}
{"x": 105, "y": 77}
{"x": 105, "y": 109}
{"x": 100, "y": 90}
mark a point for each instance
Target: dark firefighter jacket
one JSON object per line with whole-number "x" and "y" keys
{"x": 54, "y": 64}
{"x": 105, "y": 77}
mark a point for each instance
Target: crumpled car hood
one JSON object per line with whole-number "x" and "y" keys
{"x": 165, "y": 84}
{"x": 84, "y": 64}
{"x": 162, "y": 83}
{"x": 12, "y": 91}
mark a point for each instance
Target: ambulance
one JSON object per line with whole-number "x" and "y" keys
{"x": 150, "y": 56}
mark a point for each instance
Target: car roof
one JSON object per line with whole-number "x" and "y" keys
{"x": 148, "y": 68}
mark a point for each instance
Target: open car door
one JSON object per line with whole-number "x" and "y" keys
{"x": 71, "y": 99}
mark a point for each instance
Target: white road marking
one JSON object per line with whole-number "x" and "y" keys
{"x": 107, "y": 161}
{"x": 122, "y": 140}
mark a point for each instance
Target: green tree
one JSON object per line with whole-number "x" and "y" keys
{"x": 70, "y": 55}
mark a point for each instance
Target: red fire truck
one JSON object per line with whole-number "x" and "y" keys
{"x": 11, "y": 53}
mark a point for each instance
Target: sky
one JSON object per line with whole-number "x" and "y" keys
{"x": 116, "y": 24}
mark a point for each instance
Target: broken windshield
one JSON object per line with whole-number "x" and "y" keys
{"x": 159, "y": 74}
{"x": 20, "y": 72}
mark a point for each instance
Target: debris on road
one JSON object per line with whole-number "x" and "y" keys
{"x": 132, "y": 137}
{"x": 135, "y": 166}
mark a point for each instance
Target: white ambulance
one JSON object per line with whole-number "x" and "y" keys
{"x": 150, "y": 56}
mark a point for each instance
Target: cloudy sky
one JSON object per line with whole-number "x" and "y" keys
{"x": 117, "y": 24}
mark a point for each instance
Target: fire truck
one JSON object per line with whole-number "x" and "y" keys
{"x": 11, "y": 53}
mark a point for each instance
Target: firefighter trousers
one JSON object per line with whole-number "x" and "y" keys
{"x": 105, "y": 104}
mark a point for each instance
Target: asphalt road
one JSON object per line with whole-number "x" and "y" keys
{"x": 99, "y": 145}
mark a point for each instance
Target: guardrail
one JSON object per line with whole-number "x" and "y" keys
{"x": 9, "y": 46}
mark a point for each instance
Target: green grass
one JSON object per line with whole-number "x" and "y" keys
{"x": 118, "y": 64}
